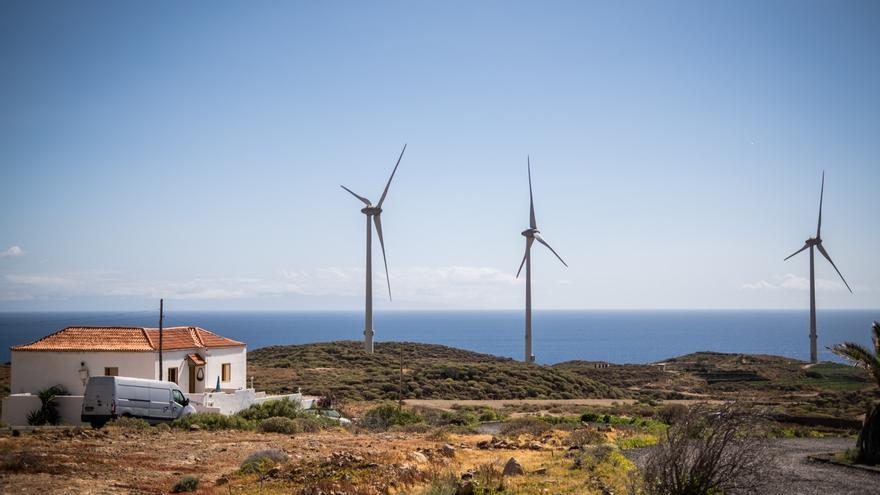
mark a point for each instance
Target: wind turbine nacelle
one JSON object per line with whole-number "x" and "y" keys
{"x": 530, "y": 232}
{"x": 371, "y": 210}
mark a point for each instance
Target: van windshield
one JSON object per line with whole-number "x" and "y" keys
{"x": 178, "y": 396}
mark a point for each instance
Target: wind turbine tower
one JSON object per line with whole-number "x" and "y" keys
{"x": 816, "y": 242}
{"x": 374, "y": 216}
{"x": 531, "y": 234}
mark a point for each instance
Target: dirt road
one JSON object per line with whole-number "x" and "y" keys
{"x": 796, "y": 475}
{"x": 498, "y": 404}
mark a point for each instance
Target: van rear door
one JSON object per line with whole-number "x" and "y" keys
{"x": 97, "y": 406}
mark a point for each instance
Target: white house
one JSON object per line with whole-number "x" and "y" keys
{"x": 192, "y": 357}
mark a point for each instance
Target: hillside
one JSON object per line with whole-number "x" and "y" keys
{"x": 342, "y": 370}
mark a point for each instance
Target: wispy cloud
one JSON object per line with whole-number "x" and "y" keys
{"x": 790, "y": 281}
{"x": 12, "y": 252}
{"x": 415, "y": 283}
{"x": 449, "y": 284}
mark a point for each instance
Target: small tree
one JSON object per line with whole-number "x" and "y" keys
{"x": 868, "y": 444}
{"x": 48, "y": 413}
{"x": 709, "y": 451}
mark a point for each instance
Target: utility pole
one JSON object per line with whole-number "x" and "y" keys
{"x": 161, "y": 320}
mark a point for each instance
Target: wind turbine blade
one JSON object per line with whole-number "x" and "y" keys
{"x": 378, "y": 223}
{"x": 528, "y": 246}
{"x": 532, "y": 223}
{"x": 542, "y": 241}
{"x": 825, "y": 254}
{"x": 798, "y": 251}
{"x": 384, "y": 193}
{"x": 363, "y": 199}
{"x": 821, "y": 195}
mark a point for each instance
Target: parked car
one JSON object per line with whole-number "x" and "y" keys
{"x": 333, "y": 415}
{"x": 111, "y": 397}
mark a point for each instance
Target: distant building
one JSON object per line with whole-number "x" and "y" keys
{"x": 192, "y": 357}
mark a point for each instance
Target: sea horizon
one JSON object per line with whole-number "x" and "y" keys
{"x": 612, "y": 335}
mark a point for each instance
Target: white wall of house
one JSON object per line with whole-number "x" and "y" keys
{"x": 33, "y": 371}
{"x": 17, "y": 407}
{"x": 214, "y": 358}
{"x": 236, "y": 357}
{"x": 177, "y": 360}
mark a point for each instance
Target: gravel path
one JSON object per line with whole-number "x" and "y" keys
{"x": 795, "y": 475}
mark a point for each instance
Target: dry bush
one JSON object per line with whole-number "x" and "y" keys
{"x": 130, "y": 423}
{"x": 585, "y": 436}
{"x": 489, "y": 476}
{"x": 525, "y": 426}
{"x": 669, "y": 413}
{"x": 22, "y": 462}
{"x": 709, "y": 451}
{"x": 279, "y": 425}
{"x": 262, "y": 460}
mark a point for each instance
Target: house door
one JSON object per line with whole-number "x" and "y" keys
{"x": 192, "y": 378}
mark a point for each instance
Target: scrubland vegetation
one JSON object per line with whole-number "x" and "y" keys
{"x": 444, "y": 448}
{"x": 341, "y": 370}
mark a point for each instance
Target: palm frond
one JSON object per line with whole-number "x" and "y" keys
{"x": 860, "y": 356}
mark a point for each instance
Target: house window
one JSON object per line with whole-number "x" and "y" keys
{"x": 172, "y": 375}
{"x": 226, "y": 372}
{"x": 114, "y": 371}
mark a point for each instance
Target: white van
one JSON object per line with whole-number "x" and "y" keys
{"x": 111, "y": 397}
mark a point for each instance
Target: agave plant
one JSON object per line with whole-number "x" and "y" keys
{"x": 48, "y": 413}
{"x": 868, "y": 444}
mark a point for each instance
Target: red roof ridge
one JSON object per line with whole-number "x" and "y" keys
{"x": 194, "y": 331}
{"x": 147, "y": 336}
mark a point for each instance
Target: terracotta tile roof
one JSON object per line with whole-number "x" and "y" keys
{"x": 132, "y": 339}
{"x": 196, "y": 359}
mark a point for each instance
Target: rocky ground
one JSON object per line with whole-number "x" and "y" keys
{"x": 115, "y": 460}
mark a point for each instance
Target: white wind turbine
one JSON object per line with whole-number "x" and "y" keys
{"x": 531, "y": 234}
{"x": 817, "y": 243}
{"x": 374, "y": 214}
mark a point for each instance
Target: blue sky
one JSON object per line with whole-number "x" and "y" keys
{"x": 193, "y": 151}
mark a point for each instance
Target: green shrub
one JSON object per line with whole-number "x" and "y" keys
{"x": 459, "y": 416}
{"x": 262, "y": 460}
{"x": 284, "y": 408}
{"x": 637, "y": 441}
{"x": 560, "y": 420}
{"x": 213, "y": 421}
{"x": 411, "y": 428}
{"x": 590, "y": 417}
{"x": 129, "y": 423}
{"x": 185, "y": 484}
{"x": 387, "y": 415}
{"x": 279, "y": 425}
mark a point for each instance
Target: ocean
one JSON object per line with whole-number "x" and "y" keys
{"x": 641, "y": 336}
